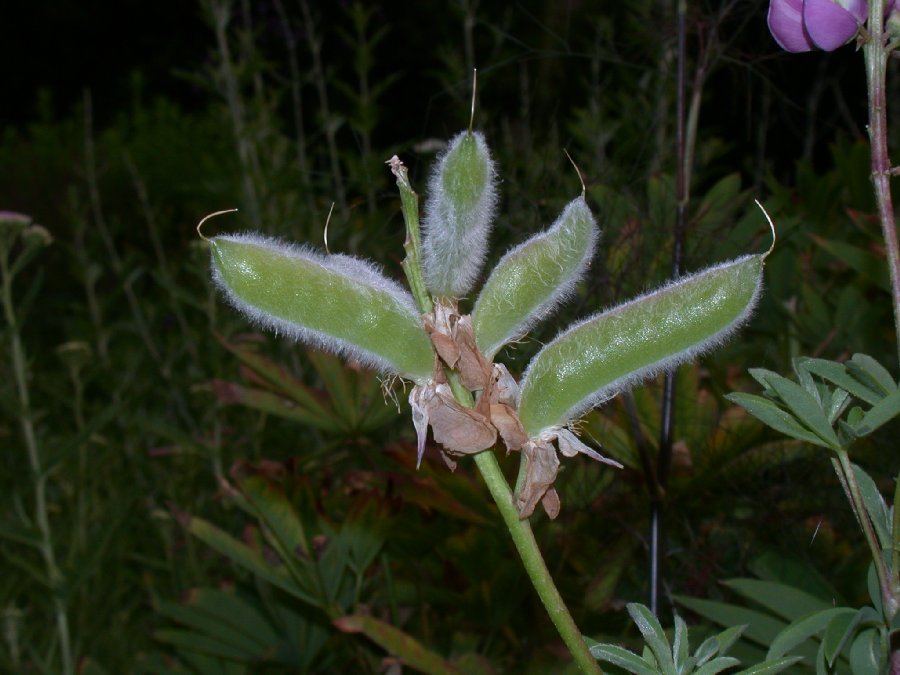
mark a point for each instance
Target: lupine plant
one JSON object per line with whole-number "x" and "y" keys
{"x": 833, "y": 405}
{"x": 424, "y": 335}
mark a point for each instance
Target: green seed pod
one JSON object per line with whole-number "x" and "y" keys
{"x": 333, "y": 302}
{"x": 532, "y": 279}
{"x": 596, "y": 358}
{"x": 459, "y": 212}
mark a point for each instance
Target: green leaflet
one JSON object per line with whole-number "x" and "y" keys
{"x": 335, "y": 302}
{"x": 459, "y": 212}
{"x": 610, "y": 351}
{"x": 533, "y": 278}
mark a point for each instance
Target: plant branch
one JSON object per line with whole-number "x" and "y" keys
{"x": 876, "y": 55}
{"x": 529, "y": 552}
{"x": 54, "y": 575}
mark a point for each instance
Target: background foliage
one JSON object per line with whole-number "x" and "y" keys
{"x": 153, "y": 401}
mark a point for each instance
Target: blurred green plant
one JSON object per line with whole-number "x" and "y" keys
{"x": 794, "y": 610}
{"x": 662, "y": 657}
{"x": 21, "y": 241}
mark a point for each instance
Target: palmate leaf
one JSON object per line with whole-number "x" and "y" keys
{"x": 619, "y": 656}
{"x": 779, "y": 419}
{"x": 230, "y": 393}
{"x": 770, "y": 667}
{"x": 227, "y": 619}
{"x": 717, "y": 665}
{"x": 842, "y": 628}
{"x": 837, "y": 374}
{"x": 804, "y": 628}
{"x": 397, "y": 643}
{"x": 781, "y": 599}
{"x": 654, "y": 636}
{"x": 877, "y": 508}
{"x": 248, "y": 558}
{"x": 879, "y": 414}
{"x": 874, "y": 372}
{"x": 277, "y": 377}
{"x": 865, "y": 653}
{"x": 761, "y": 627}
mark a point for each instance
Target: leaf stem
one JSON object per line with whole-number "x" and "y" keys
{"x": 889, "y": 599}
{"x": 529, "y": 552}
{"x": 876, "y": 54}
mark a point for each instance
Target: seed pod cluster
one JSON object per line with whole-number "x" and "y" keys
{"x": 346, "y": 305}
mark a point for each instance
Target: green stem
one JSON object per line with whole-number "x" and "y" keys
{"x": 487, "y": 464}
{"x": 876, "y": 54}
{"x": 895, "y": 540}
{"x": 54, "y": 575}
{"x": 889, "y": 600}
{"x": 528, "y": 549}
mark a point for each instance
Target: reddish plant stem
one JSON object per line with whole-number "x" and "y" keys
{"x": 876, "y": 55}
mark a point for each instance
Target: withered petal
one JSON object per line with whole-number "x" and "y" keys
{"x": 506, "y": 421}
{"x": 540, "y": 473}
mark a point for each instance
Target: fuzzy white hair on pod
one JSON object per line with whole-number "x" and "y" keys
{"x": 360, "y": 275}
{"x": 455, "y": 236}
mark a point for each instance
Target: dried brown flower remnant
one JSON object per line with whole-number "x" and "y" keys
{"x": 542, "y": 467}
{"x": 460, "y": 430}
{"x": 454, "y": 340}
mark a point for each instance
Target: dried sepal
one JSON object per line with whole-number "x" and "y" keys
{"x": 458, "y": 215}
{"x": 504, "y": 388}
{"x": 454, "y": 341}
{"x": 506, "y": 421}
{"x": 532, "y": 279}
{"x": 596, "y": 358}
{"x": 336, "y": 303}
{"x": 460, "y": 430}
{"x": 541, "y": 468}
{"x": 537, "y": 485}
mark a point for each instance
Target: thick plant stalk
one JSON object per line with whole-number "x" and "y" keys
{"x": 876, "y": 55}
{"x": 529, "y": 552}
{"x": 519, "y": 529}
{"x": 54, "y": 575}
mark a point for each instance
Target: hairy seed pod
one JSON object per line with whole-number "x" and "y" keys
{"x": 333, "y": 302}
{"x": 532, "y": 279}
{"x": 596, "y": 358}
{"x": 459, "y": 212}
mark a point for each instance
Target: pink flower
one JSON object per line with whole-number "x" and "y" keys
{"x": 804, "y": 25}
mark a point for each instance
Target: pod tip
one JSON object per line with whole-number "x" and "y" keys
{"x": 474, "y": 91}
{"x": 211, "y": 215}
{"x": 771, "y": 227}
{"x": 325, "y": 233}
{"x": 578, "y": 171}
